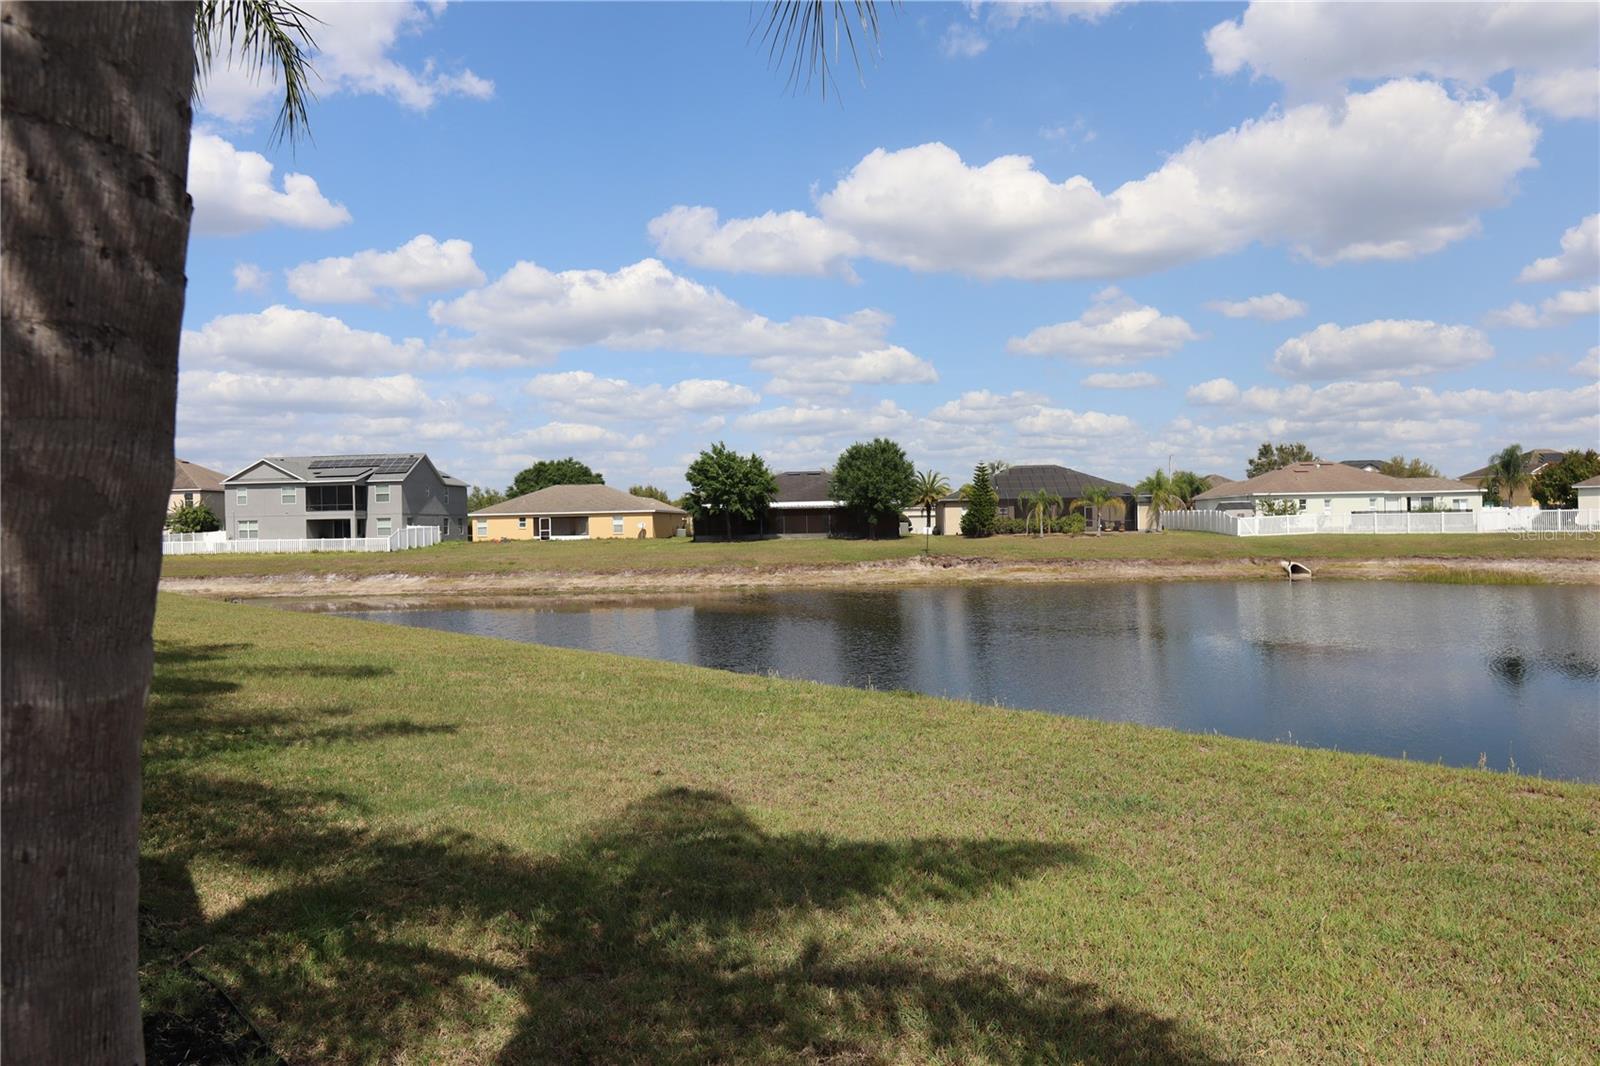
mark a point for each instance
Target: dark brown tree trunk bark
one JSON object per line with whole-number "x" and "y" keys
{"x": 95, "y": 114}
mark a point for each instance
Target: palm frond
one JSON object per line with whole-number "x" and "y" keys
{"x": 272, "y": 34}
{"x": 797, "y": 32}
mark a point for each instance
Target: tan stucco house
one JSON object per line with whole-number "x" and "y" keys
{"x": 577, "y": 512}
{"x": 1589, "y": 498}
{"x": 1538, "y": 459}
{"x": 193, "y": 483}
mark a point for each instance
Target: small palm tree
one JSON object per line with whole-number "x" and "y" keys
{"x": 1508, "y": 472}
{"x": 1100, "y": 499}
{"x": 931, "y": 487}
{"x": 1163, "y": 495}
{"x": 1186, "y": 485}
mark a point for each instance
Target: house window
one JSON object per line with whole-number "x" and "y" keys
{"x": 286, "y": 495}
{"x": 384, "y": 526}
{"x": 249, "y": 530}
{"x": 616, "y": 525}
{"x": 380, "y": 494}
{"x": 1372, "y": 503}
{"x": 1327, "y": 505}
{"x": 522, "y": 523}
{"x": 1302, "y": 507}
{"x": 444, "y": 526}
{"x": 330, "y": 498}
{"x": 188, "y": 499}
{"x": 241, "y": 497}
{"x": 483, "y": 528}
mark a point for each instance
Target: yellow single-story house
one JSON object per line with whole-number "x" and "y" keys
{"x": 577, "y": 512}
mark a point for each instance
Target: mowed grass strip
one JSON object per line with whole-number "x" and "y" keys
{"x": 395, "y": 845}
{"x": 617, "y": 556}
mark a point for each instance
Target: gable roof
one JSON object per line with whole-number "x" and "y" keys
{"x": 1541, "y": 458}
{"x": 192, "y": 477}
{"x": 578, "y": 499}
{"x": 1064, "y": 481}
{"x": 1589, "y": 483}
{"x": 1310, "y": 478}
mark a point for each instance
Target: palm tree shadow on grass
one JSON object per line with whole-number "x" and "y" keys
{"x": 678, "y": 930}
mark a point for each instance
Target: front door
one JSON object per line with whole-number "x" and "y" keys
{"x": 544, "y": 528}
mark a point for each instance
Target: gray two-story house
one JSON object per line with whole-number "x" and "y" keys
{"x": 317, "y": 496}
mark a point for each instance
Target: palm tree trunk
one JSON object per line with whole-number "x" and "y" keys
{"x": 95, "y": 114}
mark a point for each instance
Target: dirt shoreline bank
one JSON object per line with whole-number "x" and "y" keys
{"x": 915, "y": 571}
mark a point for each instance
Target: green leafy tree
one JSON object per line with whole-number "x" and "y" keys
{"x": 1277, "y": 456}
{"x": 983, "y": 506}
{"x": 1102, "y": 502}
{"x": 192, "y": 518}
{"x": 479, "y": 497}
{"x": 1553, "y": 486}
{"x": 724, "y": 485}
{"x": 1400, "y": 466}
{"x": 547, "y": 472}
{"x": 1508, "y": 473}
{"x": 874, "y": 479}
{"x": 1163, "y": 495}
{"x": 930, "y": 489}
{"x": 649, "y": 492}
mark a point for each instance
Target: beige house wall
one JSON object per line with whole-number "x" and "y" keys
{"x": 596, "y": 527}
{"x": 950, "y": 518}
{"x": 1589, "y": 500}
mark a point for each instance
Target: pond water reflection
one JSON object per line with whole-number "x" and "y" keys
{"x": 1431, "y": 672}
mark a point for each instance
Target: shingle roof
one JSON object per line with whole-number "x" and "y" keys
{"x": 370, "y": 466}
{"x": 1591, "y": 483}
{"x": 192, "y": 477}
{"x": 1541, "y": 456}
{"x": 453, "y": 481}
{"x": 1303, "y": 478}
{"x": 803, "y": 486}
{"x": 578, "y": 499}
{"x": 1064, "y": 481}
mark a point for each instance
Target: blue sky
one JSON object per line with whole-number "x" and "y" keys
{"x": 1095, "y": 234}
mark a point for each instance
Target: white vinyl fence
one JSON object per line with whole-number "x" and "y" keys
{"x": 1485, "y": 520}
{"x": 399, "y": 540}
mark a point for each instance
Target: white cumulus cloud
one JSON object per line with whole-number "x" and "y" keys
{"x": 1379, "y": 349}
{"x": 528, "y": 314}
{"x": 1569, "y": 305}
{"x": 799, "y": 375}
{"x": 1393, "y": 173}
{"x": 1212, "y": 393}
{"x": 1579, "y": 258}
{"x": 581, "y": 390}
{"x": 288, "y": 338}
{"x": 1115, "y": 330}
{"x": 1273, "y": 307}
{"x": 787, "y": 242}
{"x": 1314, "y": 48}
{"x": 234, "y": 193}
{"x": 420, "y": 266}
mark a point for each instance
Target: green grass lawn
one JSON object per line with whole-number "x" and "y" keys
{"x": 394, "y": 845}
{"x": 613, "y": 556}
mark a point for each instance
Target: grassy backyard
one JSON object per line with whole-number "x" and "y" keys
{"x": 394, "y": 845}
{"x": 615, "y": 556}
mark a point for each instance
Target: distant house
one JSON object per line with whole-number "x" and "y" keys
{"x": 803, "y": 507}
{"x": 335, "y": 496}
{"x": 1371, "y": 466}
{"x": 193, "y": 483}
{"x": 577, "y": 512}
{"x": 1539, "y": 458}
{"x": 1012, "y": 482}
{"x": 1589, "y": 498}
{"x": 1336, "y": 489}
